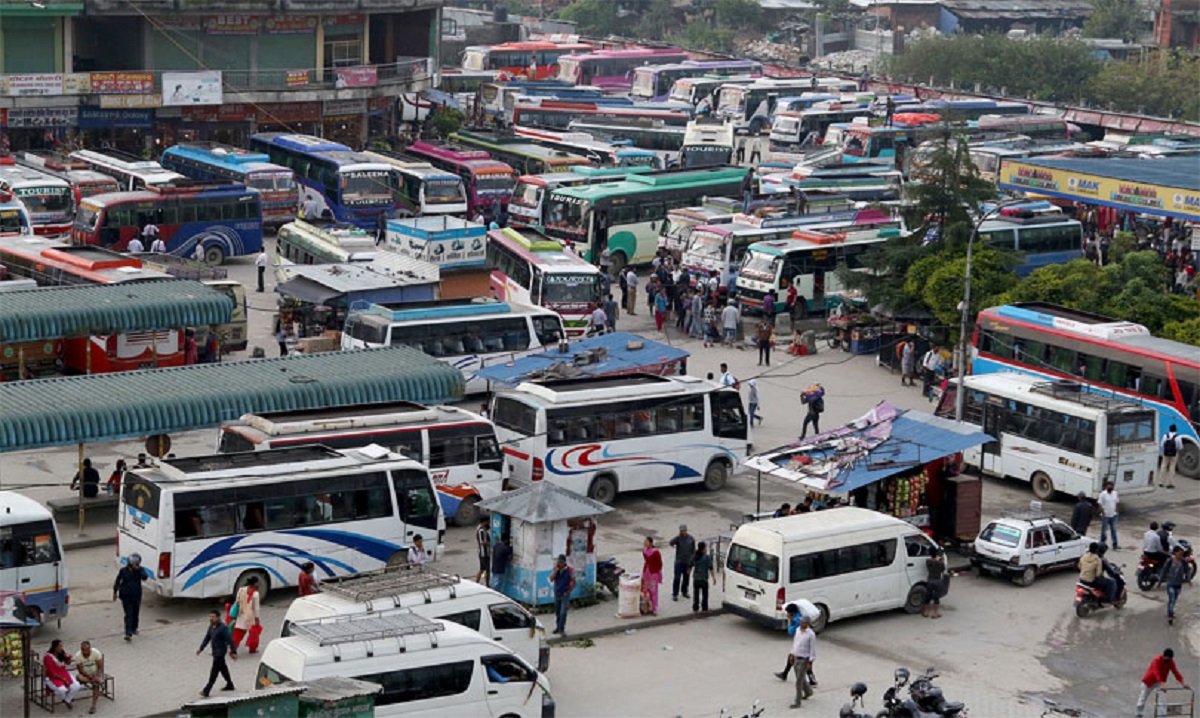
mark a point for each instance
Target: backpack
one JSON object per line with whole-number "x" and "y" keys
{"x": 818, "y": 405}
{"x": 1169, "y": 448}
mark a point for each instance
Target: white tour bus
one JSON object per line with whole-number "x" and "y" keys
{"x": 301, "y": 242}
{"x": 430, "y": 594}
{"x": 206, "y": 524}
{"x": 603, "y": 435}
{"x": 31, "y": 556}
{"x": 428, "y": 668}
{"x": 1059, "y": 436}
{"x": 459, "y": 447}
{"x": 847, "y": 561}
{"x": 467, "y": 335}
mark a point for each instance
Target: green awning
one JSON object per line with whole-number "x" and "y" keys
{"x": 80, "y": 311}
{"x": 106, "y": 407}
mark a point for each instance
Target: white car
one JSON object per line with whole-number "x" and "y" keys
{"x": 1020, "y": 547}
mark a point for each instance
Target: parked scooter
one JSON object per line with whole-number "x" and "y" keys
{"x": 1089, "y": 599}
{"x": 857, "y": 691}
{"x": 896, "y": 706}
{"x": 1150, "y": 567}
{"x": 608, "y": 574}
{"x": 930, "y": 699}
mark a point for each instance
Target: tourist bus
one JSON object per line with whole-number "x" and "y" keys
{"x": 676, "y": 230}
{"x": 525, "y": 157}
{"x": 486, "y": 180}
{"x": 630, "y": 212}
{"x": 14, "y": 218}
{"x": 468, "y": 335}
{"x": 969, "y": 109}
{"x": 300, "y": 242}
{"x": 498, "y": 101}
{"x": 1041, "y": 239}
{"x": 216, "y": 162}
{"x": 612, "y": 69}
{"x": 534, "y": 60}
{"x": 346, "y": 186}
{"x": 1106, "y": 355}
{"x": 207, "y": 524}
{"x": 700, "y": 92}
{"x": 48, "y": 199}
{"x": 750, "y": 106}
{"x": 560, "y": 115}
{"x": 706, "y": 143}
{"x": 638, "y": 131}
{"x": 84, "y": 181}
{"x": 809, "y": 262}
{"x": 459, "y": 447}
{"x": 604, "y": 154}
{"x": 421, "y": 189}
{"x": 1056, "y": 435}
{"x": 529, "y": 207}
{"x": 602, "y": 436}
{"x": 654, "y": 82}
{"x": 530, "y": 269}
{"x": 131, "y": 171}
{"x": 32, "y": 559}
{"x": 225, "y": 220}
{"x": 793, "y": 131}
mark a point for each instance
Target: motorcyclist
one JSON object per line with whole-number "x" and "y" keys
{"x": 1167, "y": 538}
{"x": 1091, "y": 571}
{"x": 1154, "y": 545}
{"x": 1113, "y": 574}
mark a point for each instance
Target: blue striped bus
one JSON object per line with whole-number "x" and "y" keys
{"x": 210, "y": 161}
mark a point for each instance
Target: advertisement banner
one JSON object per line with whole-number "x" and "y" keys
{"x": 122, "y": 83}
{"x": 231, "y": 25}
{"x": 36, "y": 84}
{"x": 1085, "y": 187}
{"x": 344, "y": 19}
{"x": 191, "y": 88}
{"x": 179, "y": 22}
{"x": 289, "y": 25}
{"x": 229, "y": 112}
{"x": 97, "y": 118}
{"x": 284, "y": 113}
{"x": 345, "y": 108}
{"x": 77, "y": 83}
{"x": 297, "y": 78}
{"x": 42, "y": 117}
{"x": 130, "y": 101}
{"x": 360, "y": 76}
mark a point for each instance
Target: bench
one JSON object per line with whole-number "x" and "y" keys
{"x": 48, "y": 699}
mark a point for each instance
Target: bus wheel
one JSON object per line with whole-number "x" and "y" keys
{"x": 1188, "y": 463}
{"x": 757, "y": 125}
{"x": 915, "y": 600}
{"x": 264, "y": 582}
{"x": 603, "y": 489}
{"x": 822, "y": 618}
{"x": 617, "y": 262}
{"x": 1043, "y": 486}
{"x": 214, "y": 256}
{"x": 468, "y": 512}
{"x": 715, "y": 476}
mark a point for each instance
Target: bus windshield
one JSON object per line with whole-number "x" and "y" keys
{"x": 86, "y": 218}
{"x": 760, "y": 266}
{"x": 706, "y": 244}
{"x": 566, "y": 215}
{"x": 731, "y": 98}
{"x": 366, "y": 188}
{"x": 46, "y": 199}
{"x": 475, "y": 60}
{"x": 444, "y": 191}
{"x": 497, "y": 182}
{"x": 571, "y": 288}
{"x": 526, "y": 194}
{"x": 280, "y": 182}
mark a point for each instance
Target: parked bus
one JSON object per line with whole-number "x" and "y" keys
{"x": 206, "y": 524}
{"x": 700, "y": 92}
{"x": 1041, "y": 239}
{"x": 530, "y": 269}
{"x": 654, "y": 82}
{"x": 750, "y": 107}
{"x": 422, "y": 189}
{"x": 14, "y": 218}
{"x": 459, "y": 447}
{"x": 970, "y": 109}
{"x": 560, "y": 115}
{"x": 529, "y": 207}
{"x": 612, "y": 69}
{"x": 1035, "y": 127}
{"x": 1057, "y": 435}
{"x": 31, "y": 557}
{"x": 487, "y": 181}
{"x": 535, "y": 60}
{"x": 604, "y": 154}
{"x": 605, "y": 435}
{"x": 987, "y": 156}
{"x": 638, "y": 131}
{"x": 707, "y": 143}
{"x": 1106, "y": 355}
{"x": 629, "y": 212}
{"x": 216, "y": 162}
{"x": 346, "y": 186}
{"x": 84, "y": 181}
{"x": 468, "y": 335}
{"x": 224, "y": 220}
{"x": 48, "y": 199}
{"x": 526, "y": 157}
{"x": 131, "y": 171}
{"x": 794, "y": 131}
{"x": 302, "y": 243}
{"x": 676, "y": 230}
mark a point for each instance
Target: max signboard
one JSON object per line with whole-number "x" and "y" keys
{"x": 1083, "y": 187}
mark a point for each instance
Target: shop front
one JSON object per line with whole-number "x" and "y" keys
{"x": 120, "y": 128}
{"x": 345, "y": 121}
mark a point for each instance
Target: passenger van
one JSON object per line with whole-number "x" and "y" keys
{"x": 846, "y": 561}
{"x": 432, "y": 595}
{"x": 31, "y": 556}
{"x": 427, "y": 668}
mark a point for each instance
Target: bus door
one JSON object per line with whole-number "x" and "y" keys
{"x": 110, "y": 228}
{"x": 993, "y": 425}
{"x": 418, "y": 505}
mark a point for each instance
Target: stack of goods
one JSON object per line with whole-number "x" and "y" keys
{"x": 904, "y": 494}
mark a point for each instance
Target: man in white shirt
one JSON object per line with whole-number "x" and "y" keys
{"x": 605, "y": 260}
{"x": 727, "y": 379}
{"x": 598, "y": 321}
{"x": 1110, "y": 504}
{"x": 149, "y": 233}
{"x": 198, "y": 254}
{"x": 804, "y": 652}
{"x": 261, "y": 262}
{"x": 417, "y": 555}
{"x": 311, "y": 208}
{"x": 158, "y": 246}
{"x": 631, "y": 283}
{"x": 135, "y": 246}
{"x": 730, "y": 316}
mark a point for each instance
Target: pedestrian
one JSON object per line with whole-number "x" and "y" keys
{"x": 281, "y": 338}
{"x": 770, "y": 306}
{"x": 89, "y": 665}
{"x": 135, "y": 246}
{"x": 631, "y": 283}
{"x": 696, "y": 316}
{"x": 730, "y": 319}
{"x": 1081, "y": 515}
{"x": 685, "y": 551}
{"x": 312, "y": 208}
{"x": 930, "y": 363}
{"x": 191, "y": 353}
{"x": 113, "y": 487}
{"x": 935, "y": 567}
{"x": 483, "y": 548}
{"x": 562, "y": 578}
{"x": 91, "y": 480}
{"x": 1169, "y": 446}
{"x": 752, "y": 399}
{"x": 261, "y": 263}
{"x": 1156, "y": 677}
{"x": 762, "y": 337}
{"x": 1173, "y": 575}
{"x": 804, "y": 652}
{"x": 660, "y": 308}
{"x": 597, "y": 321}
{"x": 727, "y": 378}
{"x": 501, "y": 558}
{"x": 611, "y": 309}
{"x": 198, "y": 252}
{"x": 815, "y": 401}
{"x": 308, "y": 582}
{"x": 889, "y": 111}
{"x": 1110, "y": 505}
{"x": 702, "y": 575}
{"x": 652, "y": 574}
{"x": 605, "y": 260}
{"x": 908, "y": 362}
{"x": 158, "y": 246}
{"x": 247, "y": 602}
{"x": 128, "y": 587}
{"x": 417, "y": 555}
{"x": 217, "y": 637}
{"x": 59, "y": 681}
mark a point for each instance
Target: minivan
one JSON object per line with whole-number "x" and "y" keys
{"x": 846, "y": 561}
{"x": 432, "y": 595}
{"x": 427, "y": 668}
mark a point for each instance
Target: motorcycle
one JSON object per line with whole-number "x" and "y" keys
{"x": 1089, "y": 599}
{"x": 896, "y": 706}
{"x": 930, "y": 699}
{"x": 608, "y": 574}
{"x": 857, "y": 691}
{"x": 1149, "y": 568}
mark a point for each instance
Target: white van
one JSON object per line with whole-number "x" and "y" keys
{"x": 431, "y": 668}
{"x": 847, "y": 561}
{"x": 432, "y": 595}
{"x": 31, "y": 556}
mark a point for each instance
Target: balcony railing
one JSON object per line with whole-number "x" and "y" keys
{"x": 404, "y": 71}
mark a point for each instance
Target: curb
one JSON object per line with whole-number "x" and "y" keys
{"x": 621, "y": 628}
{"x": 89, "y": 542}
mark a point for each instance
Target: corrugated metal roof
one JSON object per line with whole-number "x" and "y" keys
{"x": 542, "y": 502}
{"x": 105, "y": 407}
{"x": 59, "y": 312}
{"x": 651, "y": 357}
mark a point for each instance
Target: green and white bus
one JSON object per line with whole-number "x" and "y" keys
{"x": 628, "y": 214}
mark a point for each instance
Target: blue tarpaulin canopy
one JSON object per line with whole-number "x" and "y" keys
{"x": 623, "y": 353}
{"x": 882, "y": 443}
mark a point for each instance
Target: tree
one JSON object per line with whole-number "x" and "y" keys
{"x": 699, "y": 36}
{"x": 945, "y": 186}
{"x": 658, "y": 20}
{"x": 447, "y": 120}
{"x": 1164, "y": 84}
{"x": 1113, "y": 18}
{"x": 1186, "y": 331}
{"x": 741, "y": 14}
{"x": 991, "y": 276}
{"x": 597, "y": 18}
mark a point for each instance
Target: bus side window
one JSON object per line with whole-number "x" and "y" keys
{"x": 729, "y": 421}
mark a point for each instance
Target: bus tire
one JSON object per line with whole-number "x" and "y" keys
{"x": 757, "y": 125}
{"x": 214, "y": 255}
{"x": 617, "y": 262}
{"x": 1043, "y": 485}
{"x": 822, "y": 618}
{"x": 603, "y": 489}
{"x": 468, "y": 512}
{"x": 264, "y": 581}
{"x": 915, "y": 600}
{"x": 1188, "y": 462}
{"x": 716, "y": 475}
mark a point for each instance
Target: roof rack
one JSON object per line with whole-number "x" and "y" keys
{"x": 1078, "y": 392}
{"x": 369, "y": 627}
{"x": 1031, "y": 514}
{"x": 386, "y": 582}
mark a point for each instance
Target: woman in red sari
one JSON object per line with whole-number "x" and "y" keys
{"x": 652, "y": 573}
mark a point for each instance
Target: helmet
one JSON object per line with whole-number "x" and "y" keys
{"x": 1168, "y": 525}
{"x": 135, "y": 558}
{"x": 858, "y": 689}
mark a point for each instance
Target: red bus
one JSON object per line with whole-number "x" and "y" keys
{"x": 536, "y": 60}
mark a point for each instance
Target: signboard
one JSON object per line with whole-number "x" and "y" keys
{"x": 77, "y": 83}
{"x": 284, "y": 113}
{"x": 446, "y": 242}
{"x": 36, "y": 84}
{"x": 95, "y": 118}
{"x": 122, "y": 83}
{"x": 130, "y": 101}
{"x": 191, "y": 88}
{"x": 345, "y": 108}
{"x": 228, "y": 112}
{"x": 344, "y": 20}
{"x": 1084, "y": 187}
{"x": 297, "y": 78}
{"x": 289, "y": 25}
{"x": 360, "y": 76}
{"x": 231, "y": 25}
{"x": 42, "y": 117}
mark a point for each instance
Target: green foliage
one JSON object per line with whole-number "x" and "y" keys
{"x": 1164, "y": 85}
{"x": 597, "y": 18}
{"x": 1186, "y": 330}
{"x": 1080, "y": 284}
{"x": 447, "y": 120}
{"x": 946, "y": 184}
{"x": 699, "y": 36}
{"x": 658, "y": 20}
{"x": 1113, "y": 18}
{"x": 741, "y": 14}
{"x": 991, "y": 277}
{"x": 1123, "y": 243}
